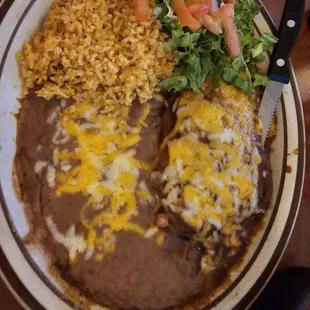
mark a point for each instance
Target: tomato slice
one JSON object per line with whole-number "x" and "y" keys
{"x": 197, "y": 9}
{"x": 232, "y": 39}
{"x": 142, "y": 10}
{"x": 200, "y": 11}
{"x": 213, "y": 7}
{"x": 184, "y": 16}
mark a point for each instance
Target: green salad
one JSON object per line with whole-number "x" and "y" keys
{"x": 201, "y": 54}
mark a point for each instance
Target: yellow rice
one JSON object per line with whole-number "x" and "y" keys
{"x": 95, "y": 50}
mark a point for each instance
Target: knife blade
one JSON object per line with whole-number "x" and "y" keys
{"x": 271, "y": 97}
{"x": 279, "y": 72}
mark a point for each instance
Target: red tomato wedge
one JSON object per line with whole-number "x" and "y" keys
{"x": 213, "y": 7}
{"x": 232, "y": 39}
{"x": 213, "y": 24}
{"x": 184, "y": 16}
{"x": 197, "y": 9}
{"x": 142, "y": 10}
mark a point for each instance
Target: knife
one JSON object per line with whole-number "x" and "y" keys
{"x": 279, "y": 72}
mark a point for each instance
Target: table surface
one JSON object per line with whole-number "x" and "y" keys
{"x": 298, "y": 250}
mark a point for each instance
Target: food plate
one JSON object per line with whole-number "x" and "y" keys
{"x": 24, "y": 267}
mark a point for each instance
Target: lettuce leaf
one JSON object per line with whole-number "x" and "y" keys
{"x": 176, "y": 83}
{"x": 202, "y": 54}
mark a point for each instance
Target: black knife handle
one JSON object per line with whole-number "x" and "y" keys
{"x": 288, "y": 32}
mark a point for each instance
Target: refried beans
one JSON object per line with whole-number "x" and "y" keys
{"x": 142, "y": 182}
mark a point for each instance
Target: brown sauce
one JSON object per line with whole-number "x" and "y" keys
{"x": 139, "y": 274}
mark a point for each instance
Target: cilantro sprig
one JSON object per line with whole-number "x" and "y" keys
{"x": 202, "y": 54}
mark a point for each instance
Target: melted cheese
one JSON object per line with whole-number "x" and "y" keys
{"x": 208, "y": 182}
{"x": 106, "y": 168}
{"x": 39, "y": 166}
{"x": 74, "y": 243}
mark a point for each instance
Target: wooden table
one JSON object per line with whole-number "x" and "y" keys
{"x": 298, "y": 250}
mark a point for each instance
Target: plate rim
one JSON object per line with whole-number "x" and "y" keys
{"x": 263, "y": 279}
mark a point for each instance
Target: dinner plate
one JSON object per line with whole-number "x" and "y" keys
{"x": 24, "y": 268}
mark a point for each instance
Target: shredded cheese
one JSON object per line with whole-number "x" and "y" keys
{"x": 39, "y": 166}
{"x": 74, "y": 243}
{"x": 106, "y": 167}
{"x": 213, "y": 164}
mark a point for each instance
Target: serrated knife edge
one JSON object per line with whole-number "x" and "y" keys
{"x": 279, "y": 70}
{"x": 271, "y": 97}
